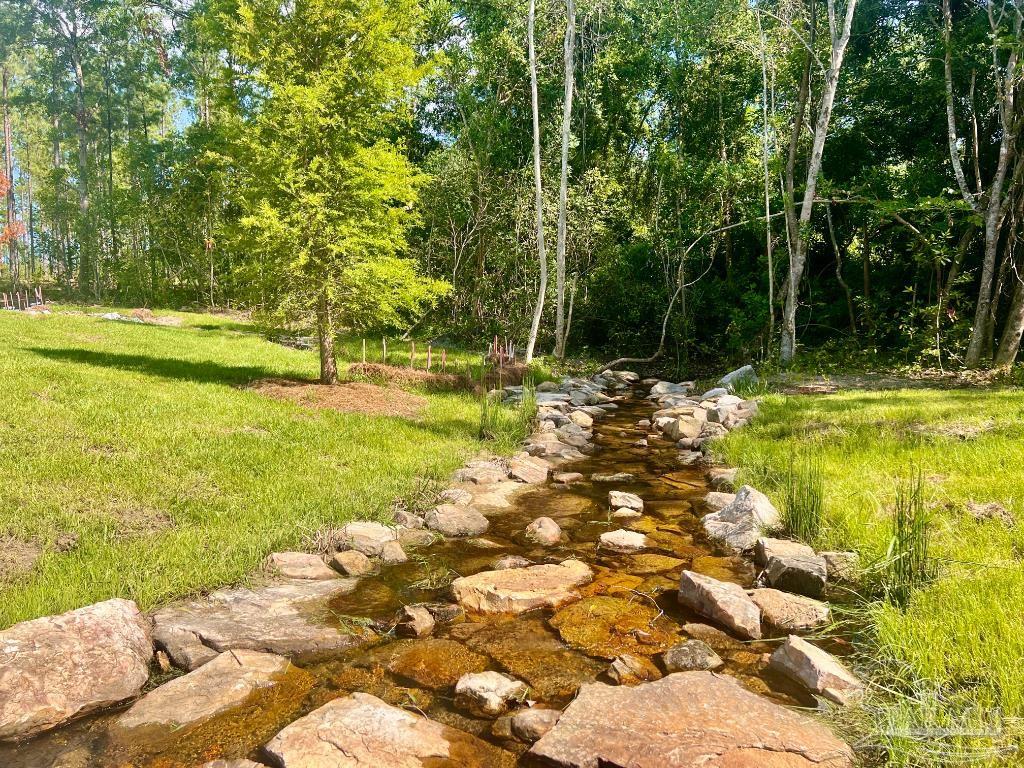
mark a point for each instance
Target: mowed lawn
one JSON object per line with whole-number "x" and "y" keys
{"x": 134, "y": 462}
{"x": 949, "y": 669}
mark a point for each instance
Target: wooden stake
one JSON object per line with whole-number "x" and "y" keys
{"x": 428, "y": 357}
{"x": 364, "y": 351}
{"x": 384, "y": 349}
{"x": 444, "y": 360}
{"x": 412, "y": 354}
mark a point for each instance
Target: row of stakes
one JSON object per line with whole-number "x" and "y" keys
{"x": 18, "y": 300}
{"x": 503, "y": 353}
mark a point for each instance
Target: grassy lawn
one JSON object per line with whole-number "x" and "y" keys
{"x": 132, "y": 460}
{"x": 951, "y": 661}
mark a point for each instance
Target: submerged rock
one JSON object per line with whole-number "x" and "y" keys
{"x": 692, "y": 655}
{"x": 721, "y": 601}
{"x": 414, "y": 621}
{"x": 515, "y": 590}
{"x": 616, "y": 477}
{"x": 288, "y": 619}
{"x": 360, "y": 729}
{"x": 632, "y": 670}
{"x": 300, "y": 565}
{"x": 225, "y": 683}
{"x": 611, "y": 626}
{"x": 544, "y": 531}
{"x": 686, "y": 720}
{"x": 433, "y": 663}
{"x": 489, "y": 694}
{"x": 56, "y": 668}
{"x": 621, "y": 499}
{"x": 817, "y": 670}
{"x": 623, "y": 541}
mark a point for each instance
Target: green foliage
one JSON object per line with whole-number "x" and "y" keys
{"x": 803, "y": 510}
{"x": 907, "y": 564}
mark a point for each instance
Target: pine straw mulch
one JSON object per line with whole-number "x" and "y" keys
{"x": 346, "y": 397}
{"x": 507, "y": 375}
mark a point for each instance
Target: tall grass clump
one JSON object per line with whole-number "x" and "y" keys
{"x": 908, "y": 565}
{"x": 504, "y": 425}
{"x": 804, "y": 506}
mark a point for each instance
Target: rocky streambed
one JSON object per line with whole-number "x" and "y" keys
{"x": 575, "y": 606}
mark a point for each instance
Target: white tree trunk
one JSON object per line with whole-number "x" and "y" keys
{"x": 542, "y": 257}
{"x": 799, "y": 256}
{"x": 561, "y": 331}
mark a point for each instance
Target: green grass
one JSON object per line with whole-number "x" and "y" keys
{"x": 951, "y": 661}
{"x": 140, "y": 440}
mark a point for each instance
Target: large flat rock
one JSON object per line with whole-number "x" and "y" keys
{"x": 515, "y": 590}
{"x": 223, "y": 684}
{"x": 57, "y": 668}
{"x": 686, "y": 720}
{"x": 290, "y": 618}
{"x": 360, "y": 730}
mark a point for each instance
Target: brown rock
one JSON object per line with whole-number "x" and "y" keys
{"x": 623, "y": 541}
{"x": 414, "y": 621}
{"x": 361, "y": 730}
{"x": 611, "y": 626}
{"x": 392, "y": 554}
{"x": 632, "y": 670}
{"x": 544, "y": 531}
{"x": 515, "y": 590}
{"x": 530, "y": 724}
{"x": 489, "y": 694}
{"x": 57, "y": 668}
{"x": 693, "y": 655}
{"x": 434, "y": 663}
{"x": 365, "y": 536}
{"x": 818, "y": 670}
{"x": 300, "y": 565}
{"x": 790, "y": 613}
{"x": 452, "y": 520}
{"x": 686, "y": 720}
{"x": 721, "y": 601}
{"x": 528, "y": 470}
{"x": 352, "y": 563}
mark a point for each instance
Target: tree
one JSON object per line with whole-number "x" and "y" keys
{"x": 538, "y": 188}
{"x": 331, "y": 193}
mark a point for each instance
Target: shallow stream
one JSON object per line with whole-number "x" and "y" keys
{"x": 630, "y": 607}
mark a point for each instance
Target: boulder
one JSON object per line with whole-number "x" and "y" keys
{"x": 528, "y": 470}
{"x": 361, "y": 730}
{"x": 417, "y": 537}
{"x": 392, "y": 553}
{"x": 300, "y": 565}
{"x": 742, "y": 522}
{"x": 406, "y": 519}
{"x": 767, "y": 548}
{"x": 668, "y": 388}
{"x": 686, "y": 720}
{"x": 530, "y": 724}
{"x": 797, "y": 572}
{"x": 582, "y": 419}
{"x": 459, "y": 496}
{"x": 544, "y": 531}
{"x": 515, "y": 590}
{"x": 717, "y": 501}
{"x": 620, "y": 499}
{"x": 481, "y": 473}
{"x": 287, "y": 619}
{"x": 489, "y": 694}
{"x": 692, "y": 655}
{"x": 615, "y": 477}
{"x": 511, "y": 561}
{"x": 452, "y": 520}
{"x": 629, "y": 669}
{"x": 414, "y": 621}
{"x": 841, "y": 567}
{"x": 685, "y": 427}
{"x": 721, "y": 601}
{"x": 788, "y": 613}
{"x": 567, "y": 478}
{"x": 352, "y": 563}
{"x": 223, "y": 684}
{"x": 365, "y": 536}
{"x": 722, "y": 478}
{"x": 817, "y": 670}
{"x": 56, "y": 668}
{"x": 712, "y": 395}
{"x": 623, "y": 541}
{"x": 744, "y": 375}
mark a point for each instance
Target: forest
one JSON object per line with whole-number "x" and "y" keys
{"x": 770, "y": 179}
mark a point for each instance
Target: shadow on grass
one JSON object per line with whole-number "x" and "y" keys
{"x": 167, "y": 368}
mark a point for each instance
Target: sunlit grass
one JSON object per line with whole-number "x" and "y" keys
{"x": 141, "y": 441}
{"x": 952, "y": 661}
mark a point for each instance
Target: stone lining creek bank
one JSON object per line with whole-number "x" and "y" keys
{"x": 591, "y": 601}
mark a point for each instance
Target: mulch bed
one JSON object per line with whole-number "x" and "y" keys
{"x": 346, "y": 397}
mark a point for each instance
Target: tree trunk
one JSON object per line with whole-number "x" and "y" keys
{"x": 542, "y": 257}
{"x": 767, "y": 184}
{"x": 799, "y": 258}
{"x": 325, "y": 329}
{"x": 11, "y": 233}
{"x": 86, "y": 267}
{"x": 1009, "y": 344}
{"x": 561, "y": 332}
{"x": 839, "y": 271}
